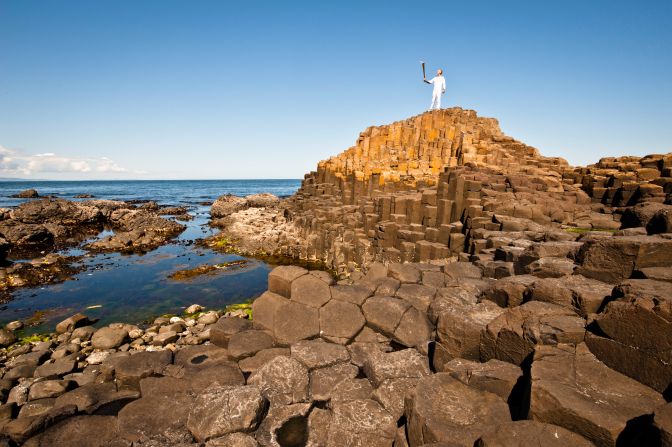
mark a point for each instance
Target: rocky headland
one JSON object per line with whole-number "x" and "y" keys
{"x": 486, "y": 295}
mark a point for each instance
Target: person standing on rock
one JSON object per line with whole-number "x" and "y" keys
{"x": 439, "y": 83}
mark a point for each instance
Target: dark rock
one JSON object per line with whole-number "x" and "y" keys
{"x": 282, "y": 380}
{"x": 109, "y": 337}
{"x": 663, "y": 422}
{"x": 72, "y": 323}
{"x": 407, "y": 363}
{"x": 614, "y": 259}
{"x": 318, "y": 354}
{"x": 324, "y": 381}
{"x": 280, "y": 279}
{"x": 26, "y": 194}
{"x": 495, "y": 376}
{"x": 56, "y": 368}
{"x": 459, "y": 330}
{"x": 159, "y": 416}
{"x": 19, "y": 430}
{"x": 310, "y": 290}
{"x": 639, "y": 324}
{"x": 264, "y": 309}
{"x": 443, "y": 409}
{"x": 527, "y": 433}
{"x": 581, "y": 294}
{"x": 360, "y": 423}
{"x": 97, "y": 397}
{"x": 340, "y": 321}
{"x": 6, "y": 337}
{"x": 295, "y": 321}
{"x": 572, "y": 389}
{"x": 284, "y": 425}
{"x": 94, "y": 431}
{"x": 251, "y": 364}
{"x": 221, "y": 332}
{"x": 130, "y": 370}
{"x": 247, "y": 343}
{"x": 513, "y": 335}
{"x": 220, "y": 410}
{"x": 405, "y": 273}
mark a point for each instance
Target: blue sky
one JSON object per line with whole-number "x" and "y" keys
{"x": 216, "y": 89}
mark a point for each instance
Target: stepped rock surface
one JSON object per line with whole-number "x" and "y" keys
{"x": 486, "y": 296}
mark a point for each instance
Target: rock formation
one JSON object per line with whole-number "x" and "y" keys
{"x": 493, "y": 297}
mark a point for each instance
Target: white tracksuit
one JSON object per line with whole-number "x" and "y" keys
{"x": 439, "y": 89}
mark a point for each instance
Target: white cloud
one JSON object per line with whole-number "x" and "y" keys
{"x": 14, "y": 163}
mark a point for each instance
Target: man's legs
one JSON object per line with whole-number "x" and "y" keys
{"x": 436, "y": 101}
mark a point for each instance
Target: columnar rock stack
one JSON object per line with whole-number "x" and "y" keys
{"x": 439, "y": 184}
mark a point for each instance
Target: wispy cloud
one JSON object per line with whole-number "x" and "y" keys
{"x": 14, "y": 163}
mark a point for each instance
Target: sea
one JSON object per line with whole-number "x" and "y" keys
{"x": 136, "y": 288}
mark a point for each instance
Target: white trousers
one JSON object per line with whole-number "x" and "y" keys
{"x": 436, "y": 101}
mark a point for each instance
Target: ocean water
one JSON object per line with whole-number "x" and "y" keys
{"x": 135, "y": 288}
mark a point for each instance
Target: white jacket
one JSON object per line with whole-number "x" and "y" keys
{"x": 439, "y": 85}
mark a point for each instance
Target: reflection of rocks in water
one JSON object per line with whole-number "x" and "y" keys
{"x": 187, "y": 274}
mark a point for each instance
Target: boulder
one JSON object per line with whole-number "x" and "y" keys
{"x": 7, "y": 337}
{"x": 72, "y": 323}
{"x": 418, "y": 295}
{"x": 576, "y": 292}
{"x": 573, "y": 389}
{"x": 220, "y": 410}
{"x": 513, "y": 335}
{"x": 636, "y": 330}
{"x": 495, "y": 376}
{"x": 311, "y": 291}
{"x": 294, "y": 321}
{"x": 318, "y": 354}
{"x": 251, "y": 364}
{"x": 262, "y": 200}
{"x": 340, "y": 321}
{"x": 109, "y": 337}
{"x": 459, "y": 330}
{"x": 97, "y": 397}
{"x": 404, "y": 273}
{"x": 26, "y": 194}
{"x": 226, "y": 205}
{"x": 614, "y": 259}
{"x": 222, "y": 331}
{"x": 383, "y": 313}
{"x": 360, "y": 423}
{"x": 284, "y": 425}
{"x": 354, "y": 294}
{"x": 443, "y": 409}
{"x": 510, "y": 291}
{"x": 129, "y": 370}
{"x": 325, "y": 381}
{"x": 280, "y": 279}
{"x": 661, "y": 221}
{"x": 246, "y": 343}
{"x": 95, "y": 431}
{"x": 662, "y": 421}
{"x": 407, "y": 363}
{"x": 264, "y": 309}
{"x": 414, "y": 330}
{"x": 527, "y": 433}
{"x": 283, "y": 380}
{"x": 391, "y": 392}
